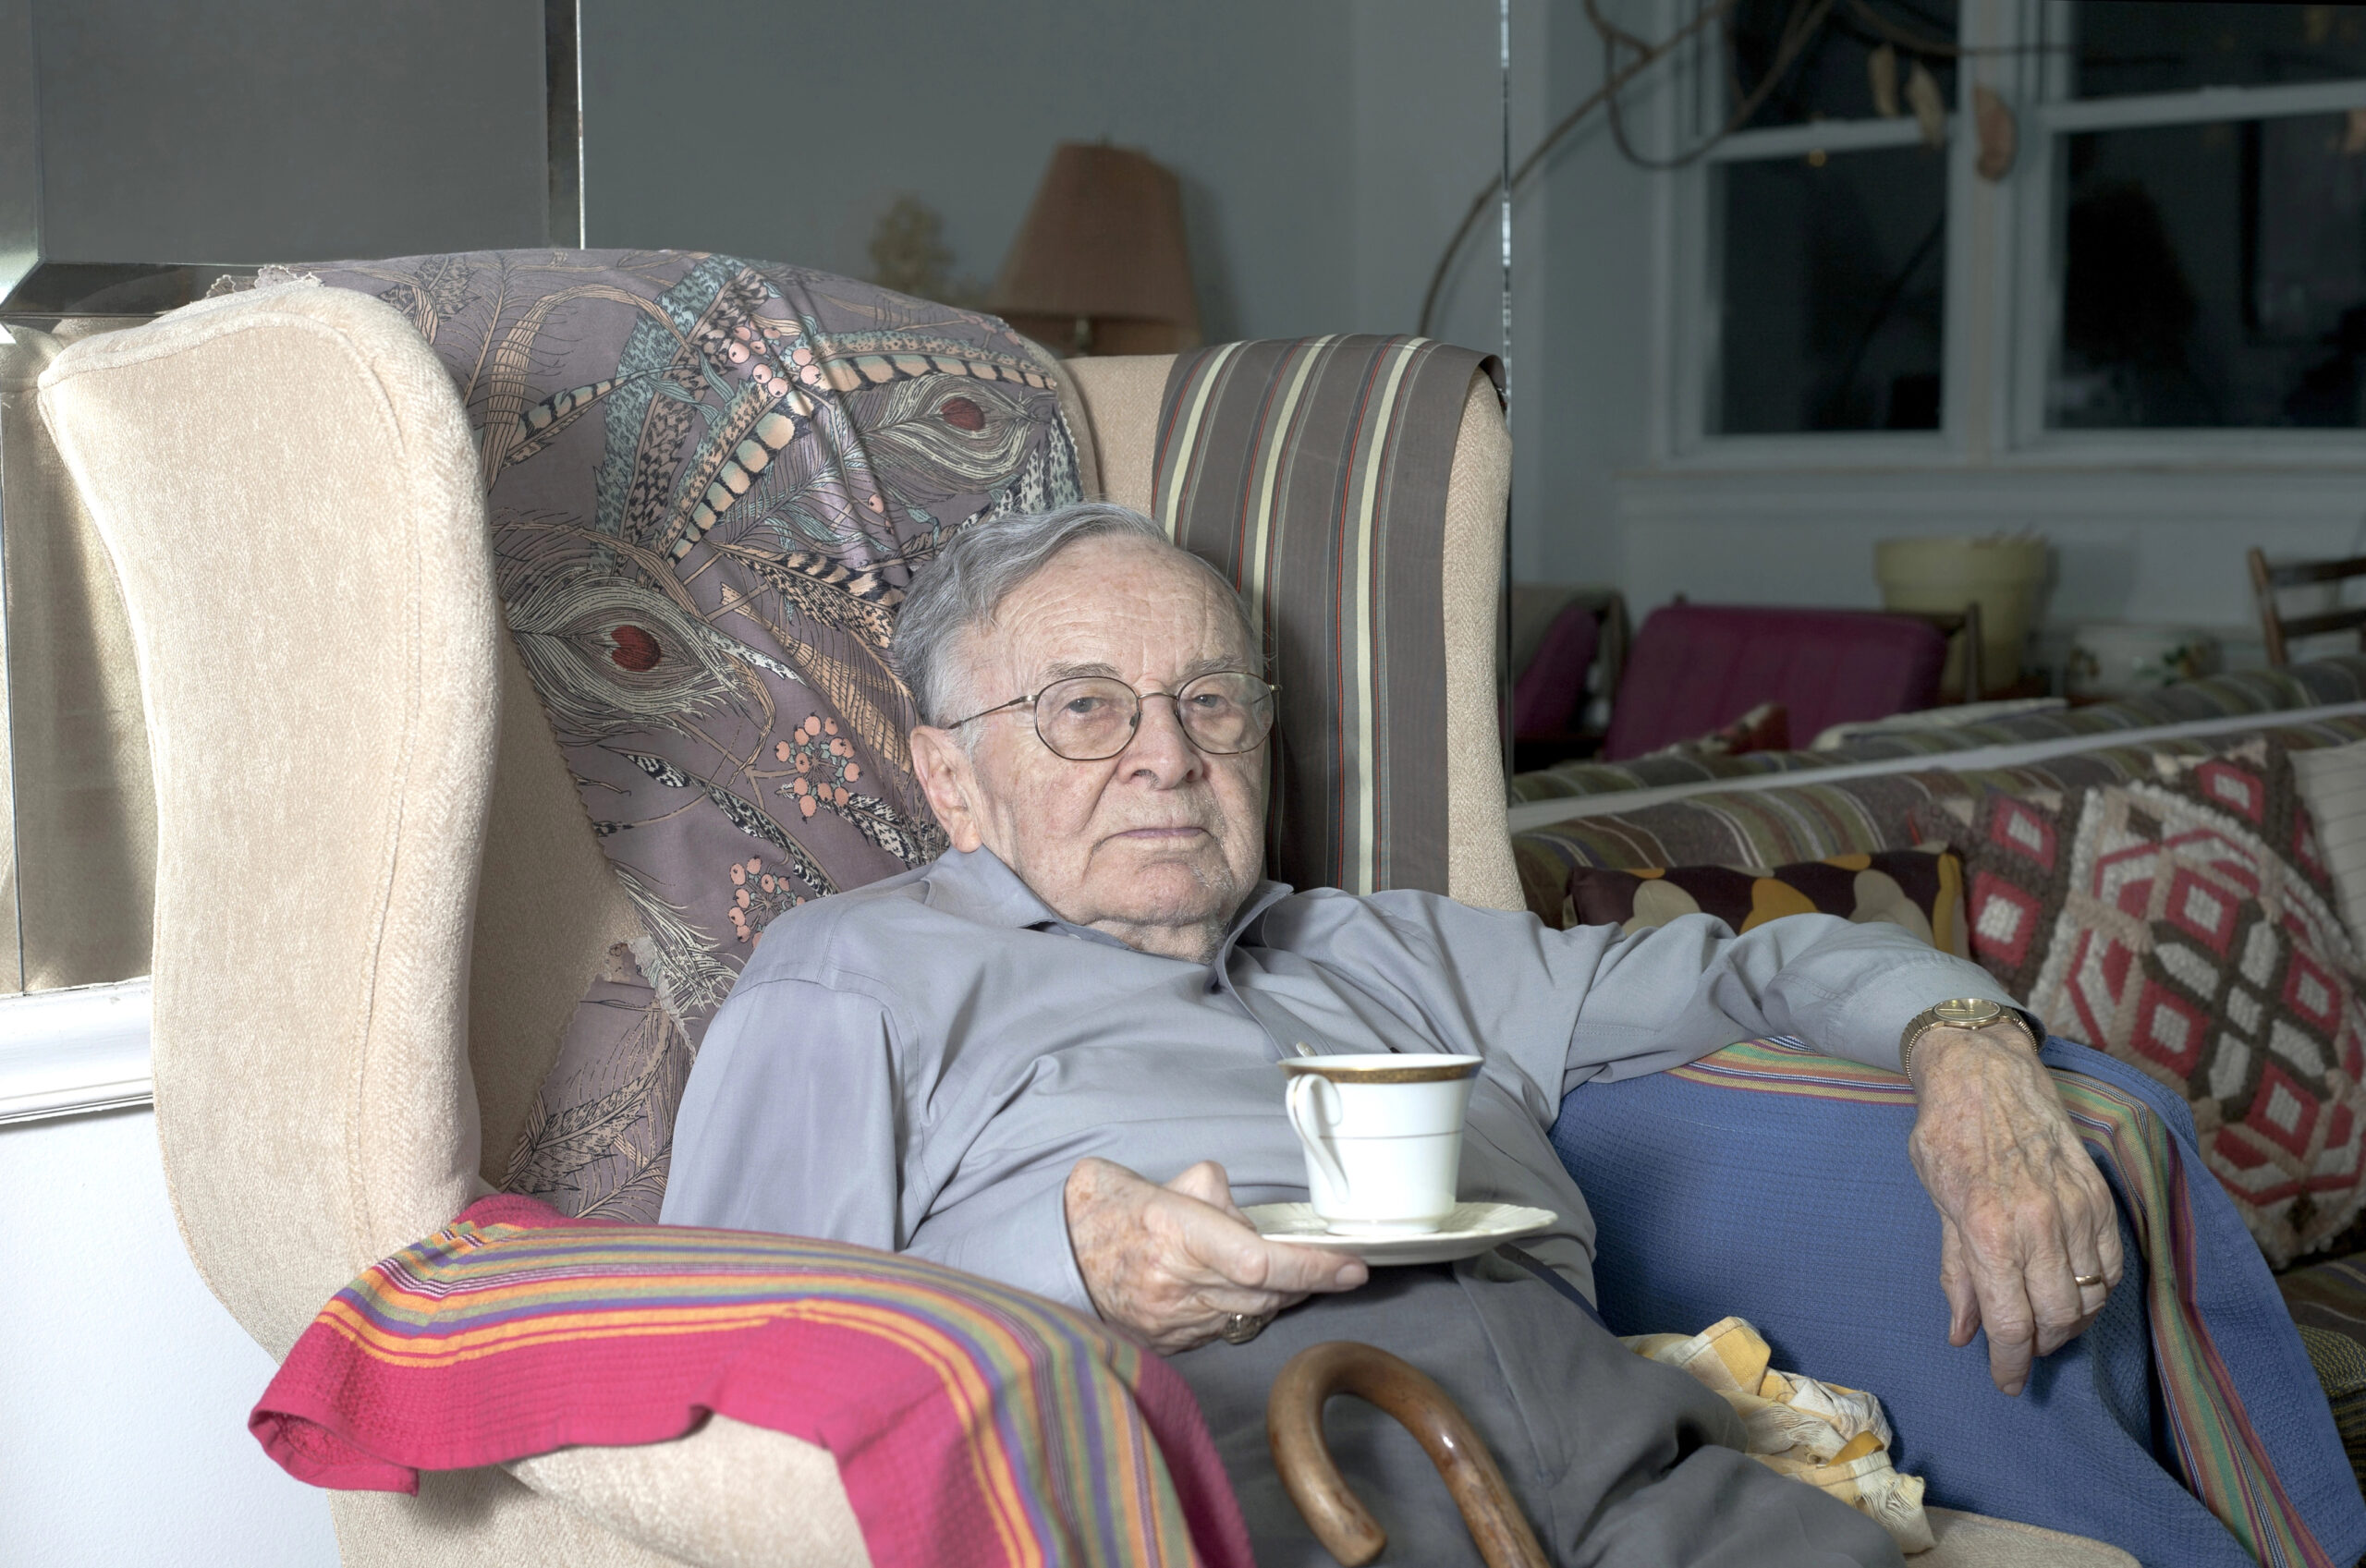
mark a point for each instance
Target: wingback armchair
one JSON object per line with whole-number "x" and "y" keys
{"x": 378, "y": 899}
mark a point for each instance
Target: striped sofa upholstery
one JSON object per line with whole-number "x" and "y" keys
{"x": 2338, "y": 679}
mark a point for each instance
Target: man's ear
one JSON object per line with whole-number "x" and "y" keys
{"x": 942, "y": 764}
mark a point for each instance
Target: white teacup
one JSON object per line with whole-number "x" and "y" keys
{"x": 1383, "y": 1135}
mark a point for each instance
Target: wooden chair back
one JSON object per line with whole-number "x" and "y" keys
{"x": 2280, "y": 630}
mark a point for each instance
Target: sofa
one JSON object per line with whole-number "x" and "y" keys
{"x": 2144, "y": 781}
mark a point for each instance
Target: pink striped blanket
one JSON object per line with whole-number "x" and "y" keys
{"x": 972, "y": 1423}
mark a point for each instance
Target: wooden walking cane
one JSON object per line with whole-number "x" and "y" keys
{"x": 1293, "y": 1427}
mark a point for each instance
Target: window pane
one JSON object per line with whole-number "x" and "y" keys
{"x": 2139, "y": 46}
{"x": 1830, "y": 79}
{"x": 2214, "y": 275}
{"x": 84, "y": 811}
{"x": 1831, "y": 280}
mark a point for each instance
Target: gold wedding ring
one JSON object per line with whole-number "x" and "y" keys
{"x": 2083, "y": 1280}
{"x": 1239, "y": 1328}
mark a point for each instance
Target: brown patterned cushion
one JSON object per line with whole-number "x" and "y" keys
{"x": 1920, "y": 889}
{"x": 2328, "y": 1304}
{"x": 2184, "y": 922}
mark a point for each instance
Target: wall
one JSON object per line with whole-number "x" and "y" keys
{"x": 1586, "y": 252}
{"x": 125, "y": 1387}
{"x": 783, "y": 130}
{"x": 1428, "y": 136}
{"x": 263, "y": 130}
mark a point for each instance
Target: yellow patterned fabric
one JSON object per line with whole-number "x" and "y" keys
{"x": 1834, "y": 1438}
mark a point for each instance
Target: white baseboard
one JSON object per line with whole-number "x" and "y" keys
{"x": 64, "y": 1052}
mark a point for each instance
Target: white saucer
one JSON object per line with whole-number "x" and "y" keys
{"x": 1471, "y": 1229}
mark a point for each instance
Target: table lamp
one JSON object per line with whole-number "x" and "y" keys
{"x": 1099, "y": 266}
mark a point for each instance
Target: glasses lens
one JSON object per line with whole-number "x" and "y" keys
{"x": 1227, "y": 713}
{"x": 1087, "y": 719}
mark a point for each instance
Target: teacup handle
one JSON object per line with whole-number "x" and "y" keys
{"x": 1298, "y": 1103}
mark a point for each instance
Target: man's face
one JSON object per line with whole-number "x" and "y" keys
{"x": 1158, "y": 845}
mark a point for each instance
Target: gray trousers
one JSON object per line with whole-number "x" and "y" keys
{"x": 1618, "y": 1462}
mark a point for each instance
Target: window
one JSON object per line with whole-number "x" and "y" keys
{"x": 2209, "y": 215}
{"x": 1831, "y": 222}
{"x": 2178, "y": 242}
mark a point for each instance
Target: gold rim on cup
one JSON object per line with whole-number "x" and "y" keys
{"x": 1437, "y": 1073}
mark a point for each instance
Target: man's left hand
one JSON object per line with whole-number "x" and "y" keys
{"x": 2022, "y": 1209}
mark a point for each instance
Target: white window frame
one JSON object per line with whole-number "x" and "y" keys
{"x": 2002, "y": 290}
{"x": 68, "y": 1053}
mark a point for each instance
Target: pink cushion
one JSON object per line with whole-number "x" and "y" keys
{"x": 1695, "y": 667}
{"x": 1549, "y": 693}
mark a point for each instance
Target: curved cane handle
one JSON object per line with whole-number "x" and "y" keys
{"x": 1293, "y": 1427}
{"x": 1299, "y": 1104}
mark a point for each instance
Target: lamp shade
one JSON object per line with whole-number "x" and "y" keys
{"x": 1100, "y": 264}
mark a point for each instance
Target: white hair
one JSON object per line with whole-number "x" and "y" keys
{"x": 981, "y": 566}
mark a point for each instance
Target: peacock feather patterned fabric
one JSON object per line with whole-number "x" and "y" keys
{"x": 710, "y": 480}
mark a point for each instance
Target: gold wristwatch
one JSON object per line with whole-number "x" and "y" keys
{"x": 1962, "y": 1013}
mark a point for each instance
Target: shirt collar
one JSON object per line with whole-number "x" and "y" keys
{"x": 976, "y": 885}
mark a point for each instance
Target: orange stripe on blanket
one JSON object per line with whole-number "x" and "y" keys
{"x": 954, "y": 1370}
{"x": 1820, "y": 1082}
{"x": 586, "y": 1281}
{"x": 427, "y": 1351}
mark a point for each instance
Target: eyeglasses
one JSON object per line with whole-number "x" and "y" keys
{"x": 1092, "y": 718}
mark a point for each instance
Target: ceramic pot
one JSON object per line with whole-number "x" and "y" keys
{"x": 2118, "y": 658}
{"x": 2002, "y": 574}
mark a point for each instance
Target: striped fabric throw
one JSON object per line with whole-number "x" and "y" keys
{"x": 972, "y": 1423}
{"x": 2218, "y": 1446}
{"x": 1313, "y": 473}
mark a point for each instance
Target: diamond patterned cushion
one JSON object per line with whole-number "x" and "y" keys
{"x": 2184, "y": 922}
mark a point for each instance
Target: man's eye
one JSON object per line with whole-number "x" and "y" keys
{"x": 1084, "y": 707}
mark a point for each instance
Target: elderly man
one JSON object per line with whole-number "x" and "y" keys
{"x": 1050, "y": 1058}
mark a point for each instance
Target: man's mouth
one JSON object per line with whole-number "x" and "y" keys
{"x": 1159, "y": 835}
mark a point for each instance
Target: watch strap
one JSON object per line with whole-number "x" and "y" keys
{"x": 1958, "y": 1013}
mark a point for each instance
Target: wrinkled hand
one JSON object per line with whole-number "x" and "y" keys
{"x": 2022, "y": 1209}
{"x": 1169, "y": 1265}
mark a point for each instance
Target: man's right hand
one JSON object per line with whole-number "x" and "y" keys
{"x": 1170, "y": 1265}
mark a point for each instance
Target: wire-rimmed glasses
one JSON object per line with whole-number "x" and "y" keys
{"x": 1092, "y": 718}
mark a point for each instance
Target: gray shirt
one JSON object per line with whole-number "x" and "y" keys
{"x": 916, "y": 1065}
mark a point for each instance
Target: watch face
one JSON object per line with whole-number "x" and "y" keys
{"x": 1968, "y": 1013}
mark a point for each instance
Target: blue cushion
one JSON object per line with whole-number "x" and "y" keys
{"x": 1774, "y": 1184}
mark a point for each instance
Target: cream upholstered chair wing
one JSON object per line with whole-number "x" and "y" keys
{"x": 378, "y": 898}
{"x": 289, "y": 489}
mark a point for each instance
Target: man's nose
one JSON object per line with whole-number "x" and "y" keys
{"x": 1160, "y": 747}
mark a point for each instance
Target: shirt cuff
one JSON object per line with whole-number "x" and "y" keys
{"x": 1876, "y": 1016}
{"x": 1026, "y": 1245}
